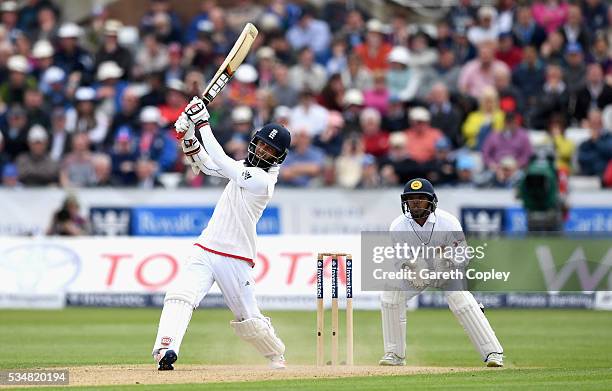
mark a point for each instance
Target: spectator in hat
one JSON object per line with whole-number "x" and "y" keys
{"x": 15, "y": 133}
{"x": 110, "y": 87}
{"x": 13, "y": 90}
{"x": 85, "y": 117}
{"x": 550, "y": 14}
{"x": 111, "y": 50}
{"x": 374, "y": 51}
{"x": 397, "y": 167}
{"x": 127, "y": 115}
{"x": 52, "y": 85}
{"x": 596, "y": 92}
{"x": 308, "y": 114}
{"x": 400, "y": 78}
{"x": 307, "y": 73}
{"x": 444, "y": 114}
{"x": 60, "y": 142}
{"x": 375, "y": 141}
{"x": 304, "y": 165}
{"x": 479, "y": 73}
{"x": 243, "y": 89}
{"x": 466, "y": 167}
{"x": 595, "y": 153}
{"x": 487, "y": 118}
{"x": 42, "y": 53}
{"x": 10, "y": 176}
{"x": 526, "y": 31}
{"x": 312, "y": 33}
{"x": 421, "y": 138}
{"x": 511, "y": 141}
{"x": 353, "y": 106}
{"x": 123, "y": 157}
{"x": 264, "y": 107}
{"x": 356, "y": 75}
{"x": 486, "y": 27}
{"x": 35, "y": 167}
{"x": 281, "y": 88}
{"x": 331, "y": 139}
{"x": 282, "y": 115}
{"x": 9, "y": 16}
{"x": 71, "y": 57}
{"x": 575, "y": 69}
{"x": 507, "y": 51}
{"x": 265, "y": 66}
{"x": 175, "y": 101}
{"x": 574, "y": 30}
{"x": 237, "y": 141}
{"x": 154, "y": 143}
{"x": 77, "y": 169}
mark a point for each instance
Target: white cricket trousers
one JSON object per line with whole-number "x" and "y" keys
{"x": 200, "y": 271}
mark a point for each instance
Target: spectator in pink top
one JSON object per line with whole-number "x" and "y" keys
{"x": 480, "y": 72}
{"x": 378, "y": 96}
{"x": 550, "y": 14}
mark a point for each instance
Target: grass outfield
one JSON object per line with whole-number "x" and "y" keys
{"x": 545, "y": 349}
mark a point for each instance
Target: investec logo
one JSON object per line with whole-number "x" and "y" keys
{"x": 577, "y": 263}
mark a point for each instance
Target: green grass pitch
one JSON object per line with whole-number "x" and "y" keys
{"x": 545, "y": 349}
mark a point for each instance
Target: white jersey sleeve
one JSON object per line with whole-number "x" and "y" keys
{"x": 254, "y": 180}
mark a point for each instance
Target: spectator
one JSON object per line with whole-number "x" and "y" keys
{"x": 304, "y": 164}
{"x": 443, "y": 170}
{"x": 38, "y": 16}
{"x": 447, "y": 70}
{"x": 395, "y": 118}
{"x": 575, "y": 68}
{"x": 9, "y": 16}
{"x": 242, "y": 12}
{"x": 596, "y": 93}
{"x": 510, "y": 98}
{"x": 154, "y": 143}
{"x": 310, "y": 33}
{"x": 555, "y": 98}
{"x": 462, "y": 47}
{"x": 202, "y": 17}
{"x": 378, "y": 96}
{"x": 465, "y": 166}
{"x": 462, "y": 16}
{"x": 307, "y": 73}
{"x": 370, "y": 177}
{"x": 222, "y": 35}
{"x": 421, "y": 138}
{"x": 111, "y": 50}
{"x": 162, "y": 20}
{"x": 157, "y": 91}
{"x": 77, "y": 169}
{"x": 401, "y": 80}
{"x": 60, "y": 138}
{"x": 175, "y": 101}
{"x": 550, "y": 14}
{"x": 506, "y": 175}
{"x": 16, "y": 133}
{"x": 486, "y": 28}
{"x": 103, "y": 169}
{"x": 147, "y": 174}
{"x": 508, "y": 52}
{"x": 355, "y": 75}
{"x": 282, "y": 115}
{"x": 338, "y": 60}
{"x": 10, "y": 176}
{"x": 507, "y": 12}
{"x": 126, "y": 116}
{"x": 282, "y": 88}
{"x": 35, "y": 167}
{"x": 552, "y": 50}
{"x": 511, "y": 141}
{"x": 595, "y": 14}
{"x": 123, "y": 158}
{"x": 375, "y": 141}
{"x": 600, "y": 52}
{"x": 42, "y": 54}
{"x": 13, "y": 90}
{"x": 487, "y": 118}
{"x": 332, "y": 94}
{"x": 265, "y": 66}
{"x": 444, "y": 114}
{"x": 397, "y": 167}
{"x": 67, "y": 221}
{"x": 86, "y": 117}
{"x": 529, "y": 76}
{"x": 353, "y": 30}
{"x": 265, "y": 103}
{"x": 526, "y": 31}
{"x": 353, "y": 106}
{"x": 332, "y": 138}
{"x": 479, "y": 73}
{"x": 564, "y": 148}
{"x": 240, "y": 136}
{"x": 53, "y": 88}
{"x": 152, "y": 56}
{"x": 110, "y": 89}
{"x": 349, "y": 165}
{"x": 75, "y": 61}
{"x": 574, "y": 30}
{"x": 374, "y": 51}
{"x": 595, "y": 153}
{"x": 308, "y": 115}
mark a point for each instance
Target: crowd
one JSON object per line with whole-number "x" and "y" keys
{"x": 369, "y": 103}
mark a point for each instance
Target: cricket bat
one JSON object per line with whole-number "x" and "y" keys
{"x": 233, "y": 60}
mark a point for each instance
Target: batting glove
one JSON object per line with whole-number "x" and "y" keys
{"x": 197, "y": 112}
{"x": 184, "y": 128}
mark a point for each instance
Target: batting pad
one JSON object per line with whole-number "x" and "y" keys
{"x": 474, "y": 322}
{"x": 173, "y": 323}
{"x": 259, "y": 333}
{"x": 393, "y": 309}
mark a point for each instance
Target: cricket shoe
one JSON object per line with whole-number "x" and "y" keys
{"x": 278, "y": 362}
{"x": 495, "y": 360}
{"x": 165, "y": 358}
{"x": 391, "y": 359}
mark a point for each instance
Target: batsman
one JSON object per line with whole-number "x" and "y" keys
{"x": 225, "y": 251}
{"x": 423, "y": 223}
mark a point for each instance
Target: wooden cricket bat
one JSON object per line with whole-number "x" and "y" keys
{"x": 233, "y": 60}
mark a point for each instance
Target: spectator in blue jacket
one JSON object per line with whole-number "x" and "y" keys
{"x": 595, "y": 153}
